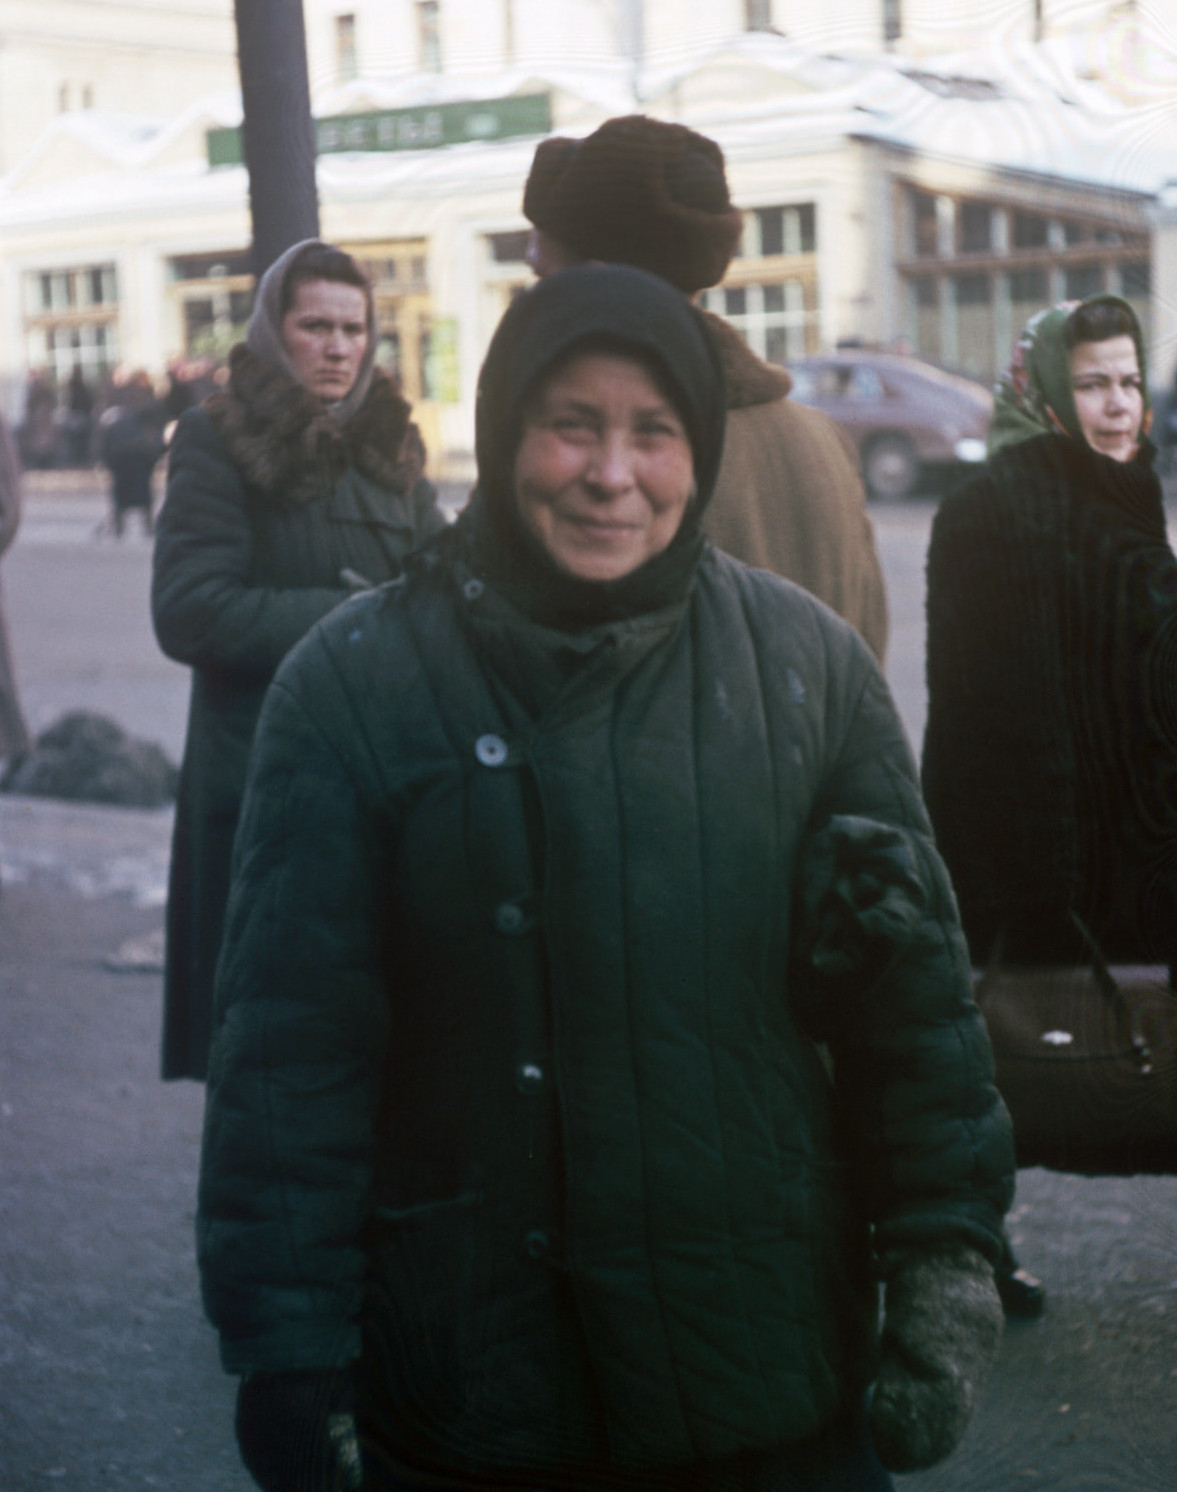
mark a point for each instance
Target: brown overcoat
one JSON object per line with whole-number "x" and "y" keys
{"x": 789, "y": 497}
{"x": 14, "y": 735}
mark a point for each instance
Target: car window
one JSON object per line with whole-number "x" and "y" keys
{"x": 864, "y": 386}
{"x": 830, "y": 382}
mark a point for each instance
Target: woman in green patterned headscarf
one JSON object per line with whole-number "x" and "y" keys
{"x": 1037, "y": 393}
{"x": 1049, "y": 758}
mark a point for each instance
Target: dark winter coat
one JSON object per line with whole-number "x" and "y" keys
{"x": 130, "y": 446}
{"x": 1050, "y": 753}
{"x": 268, "y": 504}
{"x": 518, "y": 1090}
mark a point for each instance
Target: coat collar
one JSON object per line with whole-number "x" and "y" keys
{"x": 747, "y": 378}
{"x": 287, "y": 444}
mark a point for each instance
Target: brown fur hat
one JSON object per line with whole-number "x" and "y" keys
{"x": 638, "y": 191}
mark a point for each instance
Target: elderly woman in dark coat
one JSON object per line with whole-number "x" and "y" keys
{"x": 286, "y": 491}
{"x": 1050, "y": 759}
{"x": 560, "y": 859}
{"x": 1052, "y": 591}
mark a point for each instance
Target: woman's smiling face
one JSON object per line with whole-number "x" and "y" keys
{"x": 604, "y": 470}
{"x": 1109, "y": 395}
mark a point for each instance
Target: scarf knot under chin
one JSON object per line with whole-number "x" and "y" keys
{"x": 287, "y": 443}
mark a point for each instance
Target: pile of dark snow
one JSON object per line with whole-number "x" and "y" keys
{"x": 89, "y": 759}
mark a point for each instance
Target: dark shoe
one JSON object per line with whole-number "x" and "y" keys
{"x": 1023, "y": 1298}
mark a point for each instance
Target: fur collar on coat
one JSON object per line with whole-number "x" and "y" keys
{"x": 288, "y": 444}
{"x": 747, "y": 378}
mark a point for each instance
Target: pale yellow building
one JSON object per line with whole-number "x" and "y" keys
{"x": 891, "y": 195}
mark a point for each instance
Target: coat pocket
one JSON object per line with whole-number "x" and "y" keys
{"x": 419, "y": 1310}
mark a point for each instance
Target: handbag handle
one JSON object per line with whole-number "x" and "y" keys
{"x": 1107, "y": 983}
{"x": 1103, "y": 974}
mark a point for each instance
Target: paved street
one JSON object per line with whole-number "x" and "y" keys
{"x": 108, "y": 1376}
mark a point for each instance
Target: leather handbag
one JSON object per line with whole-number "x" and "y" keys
{"x": 1086, "y": 1061}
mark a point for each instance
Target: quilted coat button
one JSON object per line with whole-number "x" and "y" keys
{"x": 509, "y": 917}
{"x": 491, "y": 751}
{"x": 473, "y": 589}
{"x": 537, "y": 1244}
{"x": 529, "y": 1077}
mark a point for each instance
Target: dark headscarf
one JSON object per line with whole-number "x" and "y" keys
{"x": 1034, "y": 395}
{"x": 615, "y": 308}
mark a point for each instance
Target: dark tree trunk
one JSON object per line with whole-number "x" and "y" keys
{"x": 278, "y": 134}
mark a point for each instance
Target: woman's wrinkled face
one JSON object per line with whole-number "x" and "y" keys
{"x": 325, "y": 334}
{"x": 1109, "y": 395}
{"x": 604, "y": 470}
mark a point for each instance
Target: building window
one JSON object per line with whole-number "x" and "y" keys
{"x": 346, "y": 63}
{"x": 63, "y": 98}
{"x": 925, "y": 229}
{"x": 892, "y": 20}
{"x": 776, "y": 318}
{"x": 770, "y": 292}
{"x": 967, "y": 314}
{"x": 1031, "y": 231}
{"x": 211, "y": 296}
{"x": 87, "y": 95}
{"x": 71, "y": 320}
{"x": 429, "y": 35}
{"x": 397, "y": 272}
{"x": 1082, "y": 280}
{"x": 509, "y": 248}
{"x": 975, "y": 221}
{"x": 757, "y": 15}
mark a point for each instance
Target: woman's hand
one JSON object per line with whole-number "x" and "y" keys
{"x": 941, "y": 1330}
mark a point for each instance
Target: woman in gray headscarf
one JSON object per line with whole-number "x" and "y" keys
{"x": 298, "y": 482}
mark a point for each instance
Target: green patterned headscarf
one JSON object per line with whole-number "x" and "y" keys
{"x": 1033, "y": 396}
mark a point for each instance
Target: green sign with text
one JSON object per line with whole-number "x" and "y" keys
{"x": 419, "y": 128}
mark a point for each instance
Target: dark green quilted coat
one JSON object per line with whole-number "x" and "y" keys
{"x": 517, "y": 1091}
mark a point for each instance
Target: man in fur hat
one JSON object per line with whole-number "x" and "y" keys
{"x": 789, "y": 498}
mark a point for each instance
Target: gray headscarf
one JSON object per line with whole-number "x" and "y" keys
{"x": 264, "y": 335}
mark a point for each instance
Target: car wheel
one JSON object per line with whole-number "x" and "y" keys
{"x": 890, "y": 466}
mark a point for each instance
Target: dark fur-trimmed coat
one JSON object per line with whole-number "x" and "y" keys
{"x": 1050, "y": 759}
{"x": 268, "y": 504}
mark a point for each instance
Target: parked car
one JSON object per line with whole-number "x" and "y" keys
{"x": 902, "y": 414}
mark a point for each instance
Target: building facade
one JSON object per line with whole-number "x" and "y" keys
{"x": 888, "y": 198}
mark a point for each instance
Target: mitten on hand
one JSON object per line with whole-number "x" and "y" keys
{"x": 297, "y": 1431}
{"x": 941, "y": 1330}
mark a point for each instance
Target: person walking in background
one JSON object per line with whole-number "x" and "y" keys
{"x": 287, "y": 489}
{"x": 39, "y": 434}
{"x": 789, "y": 497}
{"x": 557, "y": 862}
{"x": 14, "y": 733}
{"x": 130, "y": 445}
{"x": 1051, "y": 584}
{"x": 79, "y": 418}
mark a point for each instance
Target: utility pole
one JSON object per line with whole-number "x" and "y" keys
{"x": 278, "y": 133}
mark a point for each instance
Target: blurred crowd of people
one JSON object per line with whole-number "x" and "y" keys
{"x": 121, "y": 423}
{"x": 62, "y": 423}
